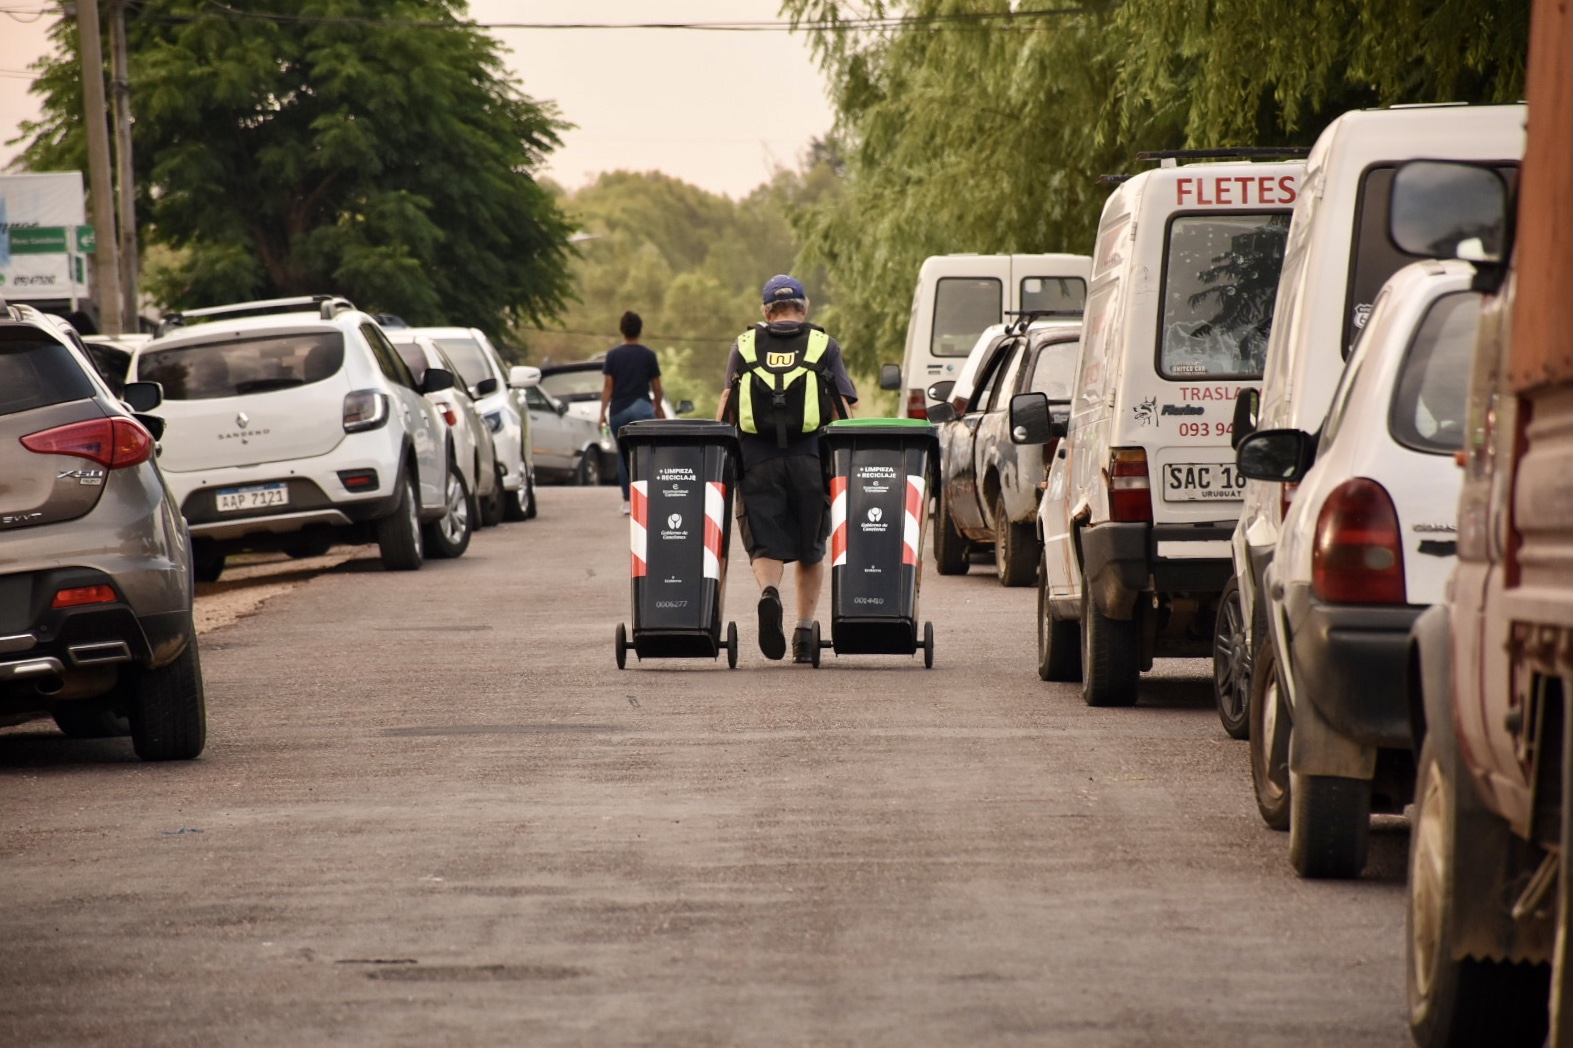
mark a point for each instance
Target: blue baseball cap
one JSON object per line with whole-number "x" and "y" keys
{"x": 781, "y": 287}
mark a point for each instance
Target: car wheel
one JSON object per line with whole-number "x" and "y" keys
{"x": 207, "y": 563}
{"x": 399, "y": 533}
{"x": 1454, "y": 1002}
{"x": 1015, "y": 548}
{"x": 950, "y": 549}
{"x": 589, "y": 474}
{"x": 1270, "y": 729}
{"x": 168, "y": 709}
{"x": 1059, "y": 643}
{"x": 516, "y": 504}
{"x": 492, "y": 505}
{"x": 1110, "y": 657}
{"x": 1329, "y": 826}
{"x": 1232, "y": 664}
{"x": 449, "y": 535}
{"x": 91, "y": 720}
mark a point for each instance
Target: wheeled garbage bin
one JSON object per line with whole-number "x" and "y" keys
{"x": 683, "y": 473}
{"x": 880, "y": 474}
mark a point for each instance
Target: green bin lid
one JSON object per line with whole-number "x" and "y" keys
{"x": 880, "y": 423}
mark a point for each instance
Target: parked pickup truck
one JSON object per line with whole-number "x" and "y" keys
{"x": 1490, "y": 882}
{"x": 989, "y": 487}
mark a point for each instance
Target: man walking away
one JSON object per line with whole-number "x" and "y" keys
{"x": 632, "y": 374}
{"x": 785, "y": 381}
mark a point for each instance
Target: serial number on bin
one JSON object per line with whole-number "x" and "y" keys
{"x": 868, "y": 600}
{"x": 671, "y": 604}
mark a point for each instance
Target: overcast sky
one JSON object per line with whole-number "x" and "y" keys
{"x": 720, "y": 110}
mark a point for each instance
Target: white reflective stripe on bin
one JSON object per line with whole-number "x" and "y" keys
{"x": 638, "y": 510}
{"x": 838, "y": 521}
{"x": 715, "y": 514}
{"x": 912, "y": 526}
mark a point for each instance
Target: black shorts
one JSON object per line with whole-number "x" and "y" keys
{"x": 784, "y": 511}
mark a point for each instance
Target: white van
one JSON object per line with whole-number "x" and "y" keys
{"x": 958, "y": 296}
{"x": 1337, "y": 259}
{"x": 1136, "y": 525}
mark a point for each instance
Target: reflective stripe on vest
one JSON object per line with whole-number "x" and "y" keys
{"x": 747, "y": 348}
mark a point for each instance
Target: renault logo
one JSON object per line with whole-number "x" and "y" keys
{"x": 242, "y": 420}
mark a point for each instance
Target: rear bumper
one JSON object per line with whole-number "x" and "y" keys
{"x": 1350, "y": 661}
{"x": 1122, "y": 561}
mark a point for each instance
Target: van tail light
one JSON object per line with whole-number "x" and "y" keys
{"x": 114, "y": 443}
{"x": 1130, "y": 492}
{"x": 917, "y": 404}
{"x": 1286, "y": 493}
{"x": 365, "y": 409}
{"x": 450, "y": 416}
{"x": 1358, "y": 557}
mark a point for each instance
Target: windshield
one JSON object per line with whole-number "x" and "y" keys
{"x": 574, "y": 386}
{"x": 240, "y": 366}
{"x": 36, "y": 371}
{"x": 963, "y": 307}
{"x": 1220, "y": 277}
{"x": 414, "y": 358}
{"x": 1427, "y": 412}
{"x": 468, "y": 356}
{"x": 1054, "y": 372}
{"x": 1055, "y": 294}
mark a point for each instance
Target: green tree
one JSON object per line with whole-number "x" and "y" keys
{"x": 330, "y": 146}
{"x": 972, "y": 128}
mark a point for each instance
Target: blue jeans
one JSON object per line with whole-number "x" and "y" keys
{"x": 635, "y": 412}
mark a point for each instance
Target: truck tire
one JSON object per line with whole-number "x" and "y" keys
{"x": 1015, "y": 548}
{"x": 1059, "y": 642}
{"x": 950, "y": 549}
{"x": 1232, "y": 664}
{"x": 1269, "y": 733}
{"x": 1329, "y": 826}
{"x": 1110, "y": 657}
{"x": 1457, "y": 1002}
{"x": 399, "y": 533}
{"x": 168, "y": 709}
{"x": 449, "y": 535}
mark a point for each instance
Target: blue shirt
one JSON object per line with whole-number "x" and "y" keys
{"x": 632, "y": 367}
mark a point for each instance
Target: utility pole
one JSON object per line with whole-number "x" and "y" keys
{"x": 106, "y": 260}
{"x": 125, "y": 179}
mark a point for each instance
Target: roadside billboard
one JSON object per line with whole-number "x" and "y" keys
{"x": 44, "y": 237}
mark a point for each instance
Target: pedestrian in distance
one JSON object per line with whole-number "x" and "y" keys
{"x": 785, "y": 381}
{"x": 631, "y": 390}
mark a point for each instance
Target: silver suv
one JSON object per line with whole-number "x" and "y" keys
{"x": 95, "y": 563}
{"x": 293, "y": 425}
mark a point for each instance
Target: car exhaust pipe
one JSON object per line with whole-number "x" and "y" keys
{"x": 50, "y": 685}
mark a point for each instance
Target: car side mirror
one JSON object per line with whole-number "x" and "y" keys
{"x": 944, "y": 411}
{"x": 562, "y": 408}
{"x": 1448, "y": 209}
{"x": 436, "y": 380}
{"x": 890, "y": 376}
{"x": 143, "y": 396}
{"x": 1281, "y": 456}
{"x": 1247, "y": 409}
{"x": 486, "y": 387}
{"x": 941, "y": 390}
{"x": 154, "y": 424}
{"x": 1032, "y": 421}
{"x": 522, "y": 376}
{"x": 684, "y": 406}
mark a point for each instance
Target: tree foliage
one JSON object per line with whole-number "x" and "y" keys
{"x": 988, "y": 136}
{"x": 304, "y": 147}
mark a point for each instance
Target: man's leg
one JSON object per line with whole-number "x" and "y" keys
{"x": 767, "y": 572}
{"x": 810, "y": 577}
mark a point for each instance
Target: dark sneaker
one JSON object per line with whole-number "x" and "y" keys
{"x": 803, "y": 645}
{"x": 771, "y": 640}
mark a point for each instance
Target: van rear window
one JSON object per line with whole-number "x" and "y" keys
{"x": 36, "y": 371}
{"x": 1053, "y": 294}
{"x": 1220, "y": 278}
{"x": 963, "y": 307}
{"x": 242, "y": 366}
{"x": 1427, "y": 412}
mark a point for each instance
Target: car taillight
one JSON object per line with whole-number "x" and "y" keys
{"x": 111, "y": 442}
{"x": 76, "y": 596}
{"x": 1286, "y": 493}
{"x": 450, "y": 416}
{"x": 917, "y": 404}
{"x": 1358, "y": 557}
{"x": 1130, "y": 493}
{"x": 364, "y": 409}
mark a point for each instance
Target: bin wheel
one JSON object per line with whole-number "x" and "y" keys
{"x": 814, "y": 644}
{"x": 731, "y": 645}
{"x": 928, "y": 645}
{"x": 622, "y": 646}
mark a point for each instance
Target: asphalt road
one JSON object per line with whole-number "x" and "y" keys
{"x": 433, "y": 812}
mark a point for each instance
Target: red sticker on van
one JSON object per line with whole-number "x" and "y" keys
{"x": 1236, "y": 190}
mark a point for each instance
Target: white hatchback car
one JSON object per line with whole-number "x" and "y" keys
{"x": 293, "y": 424}
{"x": 1367, "y": 545}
